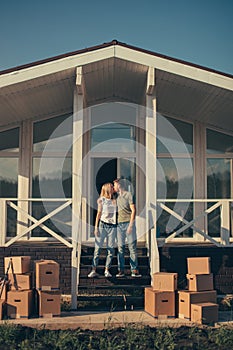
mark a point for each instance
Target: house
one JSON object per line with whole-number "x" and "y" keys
{"x": 72, "y": 122}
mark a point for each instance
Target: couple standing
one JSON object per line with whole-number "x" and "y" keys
{"x": 115, "y": 218}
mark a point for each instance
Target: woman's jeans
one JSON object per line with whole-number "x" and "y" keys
{"x": 107, "y": 231}
{"x": 132, "y": 245}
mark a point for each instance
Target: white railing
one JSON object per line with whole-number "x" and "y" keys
{"x": 226, "y": 209}
{"x": 34, "y": 223}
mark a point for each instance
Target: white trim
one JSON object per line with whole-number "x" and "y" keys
{"x": 147, "y": 59}
{"x": 173, "y": 67}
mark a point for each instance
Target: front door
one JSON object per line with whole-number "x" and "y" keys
{"x": 106, "y": 169}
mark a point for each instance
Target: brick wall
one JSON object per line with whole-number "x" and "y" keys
{"x": 57, "y": 252}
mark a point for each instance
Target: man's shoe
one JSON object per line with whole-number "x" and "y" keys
{"x": 92, "y": 274}
{"x": 135, "y": 273}
{"x": 120, "y": 274}
{"x": 107, "y": 274}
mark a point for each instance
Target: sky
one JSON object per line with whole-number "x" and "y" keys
{"x": 197, "y": 31}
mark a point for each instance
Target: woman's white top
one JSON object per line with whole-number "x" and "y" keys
{"x": 108, "y": 214}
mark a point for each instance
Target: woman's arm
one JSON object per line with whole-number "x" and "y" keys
{"x": 98, "y": 216}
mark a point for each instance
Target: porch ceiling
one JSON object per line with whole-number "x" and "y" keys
{"x": 116, "y": 79}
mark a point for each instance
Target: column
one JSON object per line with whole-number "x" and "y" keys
{"x": 151, "y": 169}
{"x": 24, "y": 173}
{"x": 76, "y": 185}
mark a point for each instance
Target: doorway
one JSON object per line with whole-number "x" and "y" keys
{"x": 106, "y": 169}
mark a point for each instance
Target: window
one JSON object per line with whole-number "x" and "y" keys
{"x": 9, "y": 158}
{"x": 174, "y": 173}
{"x": 52, "y": 172}
{"x": 219, "y": 160}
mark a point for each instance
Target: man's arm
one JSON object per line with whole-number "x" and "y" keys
{"x": 132, "y": 218}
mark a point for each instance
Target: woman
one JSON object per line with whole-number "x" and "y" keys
{"x": 105, "y": 227}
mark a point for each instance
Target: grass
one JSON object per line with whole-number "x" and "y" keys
{"x": 16, "y": 337}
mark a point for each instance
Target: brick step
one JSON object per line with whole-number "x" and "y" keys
{"x": 113, "y": 281}
{"x": 87, "y": 260}
{"x": 89, "y": 250}
{"x": 84, "y": 270}
{"x": 110, "y": 303}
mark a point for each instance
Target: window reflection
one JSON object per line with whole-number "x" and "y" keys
{"x": 174, "y": 136}
{"x": 218, "y": 142}
{"x": 113, "y": 137}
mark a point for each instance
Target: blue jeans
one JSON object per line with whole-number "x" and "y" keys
{"x": 132, "y": 244}
{"x": 107, "y": 231}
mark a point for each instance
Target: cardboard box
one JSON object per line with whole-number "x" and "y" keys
{"x": 204, "y": 313}
{"x": 47, "y": 275}
{"x": 21, "y": 264}
{"x": 49, "y": 303}
{"x": 19, "y": 304}
{"x": 4, "y": 291}
{"x": 186, "y": 298}
{"x": 165, "y": 281}
{"x": 2, "y": 308}
{"x": 159, "y": 303}
{"x": 19, "y": 281}
{"x": 199, "y": 266}
{"x": 199, "y": 283}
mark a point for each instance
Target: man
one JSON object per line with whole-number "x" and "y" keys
{"x": 126, "y": 228}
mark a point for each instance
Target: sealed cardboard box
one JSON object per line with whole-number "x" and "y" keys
{"x": 200, "y": 265}
{"x": 186, "y": 298}
{"x": 159, "y": 303}
{"x": 204, "y": 313}
{"x": 19, "y": 281}
{"x": 199, "y": 283}
{"x": 2, "y": 306}
{"x": 165, "y": 281}
{"x": 47, "y": 275}
{"x": 21, "y": 264}
{"x": 19, "y": 304}
{"x": 49, "y": 303}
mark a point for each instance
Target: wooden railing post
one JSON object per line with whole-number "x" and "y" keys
{"x": 3, "y": 222}
{"x": 225, "y": 222}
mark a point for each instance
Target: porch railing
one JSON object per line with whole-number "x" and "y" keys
{"x": 209, "y": 205}
{"x": 34, "y": 223}
{"x": 198, "y": 224}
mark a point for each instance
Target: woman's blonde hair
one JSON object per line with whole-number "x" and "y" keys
{"x": 106, "y": 190}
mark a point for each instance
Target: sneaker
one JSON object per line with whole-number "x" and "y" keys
{"x": 107, "y": 273}
{"x": 120, "y": 274}
{"x": 135, "y": 273}
{"x": 92, "y": 274}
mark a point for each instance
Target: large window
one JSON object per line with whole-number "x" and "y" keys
{"x": 219, "y": 173}
{"x": 52, "y": 172}
{"x": 113, "y": 127}
{"x": 174, "y": 173}
{"x": 9, "y": 155}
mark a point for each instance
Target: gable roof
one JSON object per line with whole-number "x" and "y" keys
{"x": 115, "y": 70}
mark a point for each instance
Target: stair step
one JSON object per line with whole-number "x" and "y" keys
{"x": 113, "y": 281}
{"x": 87, "y": 260}
{"x": 87, "y": 250}
{"x": 84, "y": 270}
{"x": 110, "y": 303}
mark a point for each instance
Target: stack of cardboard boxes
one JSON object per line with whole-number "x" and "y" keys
{"x": 198, "y": 303}
{"x": 19, "y": 297}
{"x": 160, "y": 298}
{"x": 47, "y": 287}
{"x": 23, "y": 301}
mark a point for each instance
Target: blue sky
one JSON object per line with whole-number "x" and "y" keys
{"x": 197, "y": 31}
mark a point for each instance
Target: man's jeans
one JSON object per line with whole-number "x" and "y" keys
{"x": 132, "y": 244}
{"x": 107, "y": 231}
